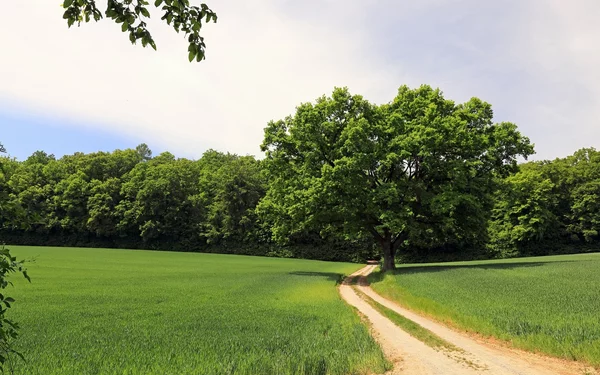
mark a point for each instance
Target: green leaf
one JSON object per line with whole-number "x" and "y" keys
{"x": 67, "y": 3}
{"x": 145, "y": 12}
{"x": 157, "y": 3}
{"x": 124, "y": 27}
{"x": 191, "y": 55}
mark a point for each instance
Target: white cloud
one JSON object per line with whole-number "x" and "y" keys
{"x": 559, "y": 48}
{"x": 535, "y": 61}
{"x": 261, "y": 63}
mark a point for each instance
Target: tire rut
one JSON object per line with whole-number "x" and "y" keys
{"x": 411, "y": 356}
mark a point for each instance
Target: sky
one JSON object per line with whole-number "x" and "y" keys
{"x": 88, "y": 89}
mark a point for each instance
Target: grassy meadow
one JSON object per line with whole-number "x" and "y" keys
{"x": 100, "y": 311}
{"x": 547, "y": 304}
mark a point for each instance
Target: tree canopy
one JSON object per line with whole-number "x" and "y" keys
{"x": 127, "y": 198}
{"x": 549, "y": 206}
{"x": 418, "y": 171}
{"x": 132, "y": 15}
{"x": 420, "y": 178}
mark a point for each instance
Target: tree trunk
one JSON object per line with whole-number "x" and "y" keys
{"x": 389, "y": 253}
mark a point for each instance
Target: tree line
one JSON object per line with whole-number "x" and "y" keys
{"x": 129, "y": 199}
{"x": 419, "y": 178}
{"x": 548, "y": 207}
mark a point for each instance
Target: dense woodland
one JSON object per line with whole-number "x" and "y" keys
{"x": 548, "y": 207}
{"x": 128, "y": 199}
{"x": 465, "y": 206}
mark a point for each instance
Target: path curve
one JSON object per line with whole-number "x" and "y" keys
{"x": 411, "y": 356}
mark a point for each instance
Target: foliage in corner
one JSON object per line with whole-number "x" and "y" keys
{"x": 133, "y": 14}
{"x": 9, "y": 330}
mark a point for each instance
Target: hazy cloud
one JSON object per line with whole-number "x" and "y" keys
{"x": 535, "y": 61}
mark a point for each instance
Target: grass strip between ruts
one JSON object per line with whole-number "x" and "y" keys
{"x": 415, "y": 330}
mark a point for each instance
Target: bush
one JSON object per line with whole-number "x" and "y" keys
{"x": 9, "y": 330}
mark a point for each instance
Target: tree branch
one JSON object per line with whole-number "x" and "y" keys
{"x": 398, "y": 240}
{"x": 375, "y": 233}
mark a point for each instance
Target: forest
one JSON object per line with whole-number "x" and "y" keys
{"x": 129, "y": 199}
{"x": 227, "y": 203}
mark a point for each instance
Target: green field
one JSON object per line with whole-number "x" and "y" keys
{"x": 548, "y": 304}
{"x": 98, "y": 311}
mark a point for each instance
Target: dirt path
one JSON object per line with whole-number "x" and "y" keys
{"x": 411, "y": 356}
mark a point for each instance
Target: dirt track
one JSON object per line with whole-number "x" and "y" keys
{"x": 411, "y": 356}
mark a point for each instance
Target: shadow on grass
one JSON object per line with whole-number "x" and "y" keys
{"x": 408, "y": 270}
{"x": 335, "y": 277}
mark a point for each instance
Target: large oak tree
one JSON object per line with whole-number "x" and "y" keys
{"x": 417, "y": 171}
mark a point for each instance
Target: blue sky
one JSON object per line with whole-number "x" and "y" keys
{"x": 22, "y": 134}
{"x": 88, "y": 89}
